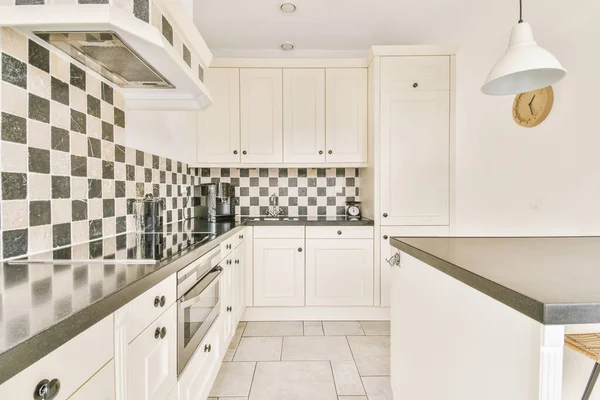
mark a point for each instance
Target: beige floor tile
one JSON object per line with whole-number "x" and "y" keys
{"x": 235, "y": 398}
{"x": 234, "y": 379}
{"x": 316, "y": 348}
{"x": 347, "y": 380}
{"x": 376, "y": 327}
{"x": 293, "y": 381}
{"x": 313, "y": 328}
{"x": 342, "y": 328}
{"x": 237, "y": 335}
{"x": 259, "y": 349}
{"x": 229, "y": 355}
{"x": 280, "y": 328}
{"x": 378, "y": 387}
{"x": 351, "y": 398}
{"x": 372, "y": 354}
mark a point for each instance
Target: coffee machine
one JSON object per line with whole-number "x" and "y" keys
{"x": 214, "y": 202}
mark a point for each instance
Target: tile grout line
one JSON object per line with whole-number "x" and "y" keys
{"x": 356, "y": 365}
{"x": 337, "y": 395}
{"x": 253, "y": 376}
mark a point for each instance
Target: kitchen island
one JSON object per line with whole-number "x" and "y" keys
{"x": 485, "y": 318}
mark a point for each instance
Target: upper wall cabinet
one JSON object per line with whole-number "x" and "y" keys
{"x": 219, "y": 126}
{"x": 304, "y": 115}
{"x": 288, "y": 117}
{"x": 346, "y": 126}
{"x": 261, "y": 115}
{"x": 415, "y": 73}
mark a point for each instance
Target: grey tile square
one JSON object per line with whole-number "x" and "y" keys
{"x": 94, "y": 188}
{"x": 95, "y": 229}
{"x": 61, "y": 235}
{"x": 14, "y": 128}
{"x": 371, "y": 354}
{"x": 59, "y": 91}
{"x": 278, "y": 328}
{"x": 234, "y": 379}
{"x": 187, "y": 56}
{"x": 78, "y": 121}
{"x": 108, "y": 207}
{"x": 293, "y": 381}
{"x": 61, "y": 187}
{"x": 14, "y": 243}
{"x": 94, "y": 107}
{"x": 167, "y": 30}
{"x": 14, "y": 186}
{"x": 107, "y": 93}
{"x": 39, "y": 56}
{"x": 94, "y": 147}
{"x": 39, "y": 160}
{"x": 79, "y": 210}
{"x": 39, "y": 108}
{"x": 77, "y": 77}
{"x": 78, "y": 166}
{"x": 316, "y": 348}
{"x": 14, "y": 71}
{"x": 60, "y": 139}
{"x": 108, "y": 132}
{"x": 108, "y": 170}
{"x": 141, "y": 9}
{"x": 119, "y": 117}
{"x": 39, "y": 213}
{"x": 259, "y": 349}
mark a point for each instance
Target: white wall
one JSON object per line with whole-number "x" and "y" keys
{"x": 165, "y": 133}
{"x": 546, "y": 180}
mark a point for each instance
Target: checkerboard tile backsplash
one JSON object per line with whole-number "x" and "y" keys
{"x": 66, "y": 176}
{"x": 301, "y": 191}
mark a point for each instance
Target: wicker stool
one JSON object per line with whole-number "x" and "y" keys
{"x": 587, "y": 344}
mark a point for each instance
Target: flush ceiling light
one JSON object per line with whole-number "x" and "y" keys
{"x": 287, "y": 46}
{"x": 288, "y": 8}
{"x": 525, "y": 66}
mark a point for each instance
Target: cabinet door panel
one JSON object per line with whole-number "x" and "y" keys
{"x": 429, "y": 73}
{"x": 219, "y": 125}
{"x": 100, "y": 387}
{"x": 153, "y": 361}
{"x": 339, "y": 272}
{"x": 261, "y": 115}
{"x": 415, "y": 151}
{"x": 346, "y": 115}
{"x": 304, "y": 115}
{"x": 279, "y": 272}
{"x": 239, "y": 282}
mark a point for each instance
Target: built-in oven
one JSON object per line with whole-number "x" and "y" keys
{"x": 199, "y": 303}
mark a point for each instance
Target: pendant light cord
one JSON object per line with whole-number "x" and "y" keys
{"x": 520, "y": 11}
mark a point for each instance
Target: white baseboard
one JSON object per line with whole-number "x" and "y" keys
{"x": 316, "y": 314}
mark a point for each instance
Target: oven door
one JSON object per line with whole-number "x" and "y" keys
{"x": 198, "y": 308}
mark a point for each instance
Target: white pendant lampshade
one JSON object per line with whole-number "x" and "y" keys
{"x": 524, "y": 67}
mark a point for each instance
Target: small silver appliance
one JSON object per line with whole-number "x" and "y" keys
{"x": 214, "y": 202}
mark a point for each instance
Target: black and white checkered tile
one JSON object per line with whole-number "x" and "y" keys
{"x": 301, "y": 191}
{"x": 66, "y": 176}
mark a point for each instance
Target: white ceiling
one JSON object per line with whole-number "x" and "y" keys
{"x": 344, "y": 28}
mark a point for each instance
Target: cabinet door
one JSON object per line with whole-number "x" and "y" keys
{"x": 415, "y": 147}
{"x": 219, "y": 125}
{"x": 239, "y": 282}
{"x": 153, "y": 360}
{"x": 198, "y": 376}
{"x": 415, "y": 73}
{"x": 261, "y": 115}
{"x": 100, "y": 387}
{"x": 339, "y": 272}
{"x": 304, "y": 115}
{"x": 227, "y": 297}
{"x": 346, "y": 116}
{"x": 279, "y": 272}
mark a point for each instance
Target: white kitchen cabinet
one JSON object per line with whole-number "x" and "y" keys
{"x": 339, "y": 272}
{"x": 346, "y": 115}
{"x": 279, "y": 272}
{"x": 152, "y": 359}
{"x": 198, "y": 376}
{"x": 261, "y": 115}
{"x": 219, "y": 125}
{"x": 100, "y": 387}
{"x": 227, "y": 298}
{"x": 239, "y": 282}
{"x": 304, "y": 115}
{"x": 415, "y": 73}
{"x": 415, "y": 157}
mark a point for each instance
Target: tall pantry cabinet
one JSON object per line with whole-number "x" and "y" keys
{"x": 408, "y": 181}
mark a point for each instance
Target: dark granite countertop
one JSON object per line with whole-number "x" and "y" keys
{"x": 49, "y": 298}
{"x": 553, "y": 280}
{"x": 306, "y": 221}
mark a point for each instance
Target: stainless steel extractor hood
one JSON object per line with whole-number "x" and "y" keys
{"x": 108, "y": 55}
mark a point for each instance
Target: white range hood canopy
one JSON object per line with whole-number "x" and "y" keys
{"x": 144, "y": 39}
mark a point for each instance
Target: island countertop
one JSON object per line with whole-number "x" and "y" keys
{"x": 553, "y": 280}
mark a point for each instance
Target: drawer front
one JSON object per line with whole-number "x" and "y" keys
{"x": 340, "y": 232}
{"x": 145, "y": 308}
{"x": 279, "y": 232}
{"x": 72, "y": 364}
{"x": 100, "y": 387}
{"x": 415, "y": 73}
{"x": 231, "y": 243}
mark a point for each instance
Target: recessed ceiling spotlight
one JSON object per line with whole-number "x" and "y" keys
{"x": 287, "y": 46}
{"x": 288, "y": 8}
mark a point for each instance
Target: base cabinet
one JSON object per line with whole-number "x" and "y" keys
{"x": 100, "y": 387}
{"x": 278, "y": 272}
{"x": 339, "y": 272}
{"x": 153, "y": 359}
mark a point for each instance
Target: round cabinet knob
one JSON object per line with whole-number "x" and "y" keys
{"x": 330, "y": 152}
{"x": 47, "y": 390}
{"x": 156, "y": 301}
{"x": 235, "y": 152}
{"x": 163, "y": 332}
{"x": 300, "y": 249}
{"x": 415, "y": 85}
{"x": 385, "y": 237}
{"x": 163, "y": 301}
{"x": 157, "y": 333}
{"x": 244, "y": 152}
{"x": 320, "y": 151}
{"x": 339, "y": 232}
{"x": 385, "y": 215}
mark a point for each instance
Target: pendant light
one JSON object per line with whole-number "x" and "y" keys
{"x": 525, "y": 66}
